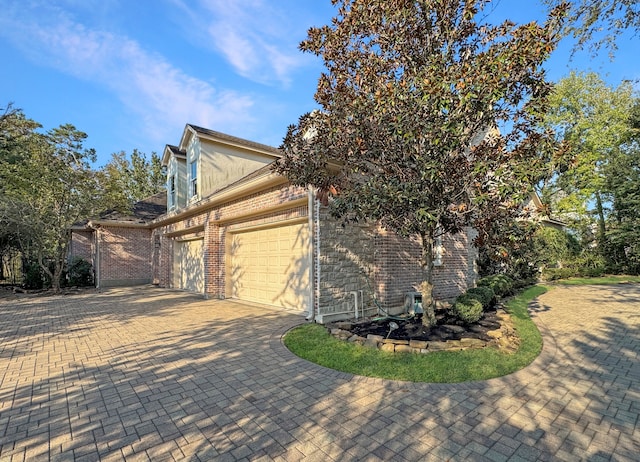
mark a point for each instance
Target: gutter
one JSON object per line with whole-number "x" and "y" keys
{"x": 265, "y": 181}
{"x": 95, "y": 224}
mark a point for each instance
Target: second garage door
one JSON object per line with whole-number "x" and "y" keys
{"x": 188, "y": 265}
{"x": 272, "y": 266}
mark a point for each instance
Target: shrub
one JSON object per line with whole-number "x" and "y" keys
{"x": 553, "y": 274}
{"x": 80, "y": 272}
{"x": 467, "y": 308}
{"x": 33, "y": 276}
{"x": 484, "y": 295}
{"x": 500, "y": 283}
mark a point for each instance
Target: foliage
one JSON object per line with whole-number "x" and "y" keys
{"x": 599, "y": 194}
{"x": 501, "y": 284}
{"x": 80, "y": 272}
{"x": 553, "y": 247}
{"x": 509, "y": 249}
{"x": 467, "y": 308}
{"x": 593, "y": 120}
{"x": 598, "y": 23}
{"x": 411, "y": 104}
{"x": 313, "y": 343}
{"x": 588, "y": 264}
{"x": 483, "y": 294}
{"x": 622, "y": 183}
{"x": 129, "y": 180}
{"x": 33, "y": 276}
{"x": 47, "y": 186}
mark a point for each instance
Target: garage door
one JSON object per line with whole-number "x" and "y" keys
{"x": 272, "y": 266}
{"x": 188, "y": 265}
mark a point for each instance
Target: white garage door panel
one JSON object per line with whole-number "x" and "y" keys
{"x": 193, "y": 266}
{"x": 188, "y": 265}
{"x": 271, "y": 266}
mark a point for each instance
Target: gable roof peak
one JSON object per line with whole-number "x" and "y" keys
{"x": 228, "y": 139}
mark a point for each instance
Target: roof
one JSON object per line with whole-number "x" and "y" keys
{"x": 175, "y": 150}
{"x": 234, "y": 140}
{"x": 142, "y": 211}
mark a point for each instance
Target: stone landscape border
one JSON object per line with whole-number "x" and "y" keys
{"x": 504, "y": 339}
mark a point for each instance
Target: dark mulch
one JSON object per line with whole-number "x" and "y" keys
{"x": 447, "y": 328}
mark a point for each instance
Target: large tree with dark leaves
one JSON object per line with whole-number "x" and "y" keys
{"x": 596, "y": 24}
{"x": 428, "y": 119}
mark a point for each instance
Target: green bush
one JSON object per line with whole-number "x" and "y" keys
{"x": 80, "y": 272}
{"x": 467, "y": 308}
{"x": 553, "y": 274}
{"x": 33, "y": 276}
{"x": 501, "y": 284}
{"x": 484, "y": 295}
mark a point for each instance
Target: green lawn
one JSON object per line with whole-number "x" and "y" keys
{"x": 600, "y": 281}
{"x": 313, "y": 343}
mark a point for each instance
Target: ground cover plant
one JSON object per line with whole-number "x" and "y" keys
{"x": 313, "y": 343}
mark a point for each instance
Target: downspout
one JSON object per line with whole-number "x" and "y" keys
{"x": 97, "y": 268}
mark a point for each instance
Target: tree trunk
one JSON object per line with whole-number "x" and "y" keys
{"x": 602, "y": 230}
{"x": 426, "y": 287}
{"x": 45, "y": 268}
{"x": 57, "y": 275}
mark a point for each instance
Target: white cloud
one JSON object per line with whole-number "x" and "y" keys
{"x": 162, "y": 95}
{"x": 259, "y": 39}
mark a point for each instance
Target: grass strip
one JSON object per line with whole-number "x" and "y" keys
{"x": 605, "y": 280}
{"x": 313, "y": 343}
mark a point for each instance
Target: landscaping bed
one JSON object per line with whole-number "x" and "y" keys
{"x": 408, "y": 334}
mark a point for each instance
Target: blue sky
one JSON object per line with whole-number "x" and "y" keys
{"x": 131, "y": 74}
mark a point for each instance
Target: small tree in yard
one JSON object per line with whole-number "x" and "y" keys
{"x": 411, "y": 103}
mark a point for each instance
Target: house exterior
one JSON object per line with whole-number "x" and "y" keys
{"x": 235, "y": 229}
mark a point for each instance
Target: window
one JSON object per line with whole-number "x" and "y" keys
{"x": 193, "y": 179}
{"x": 172, "y": 191}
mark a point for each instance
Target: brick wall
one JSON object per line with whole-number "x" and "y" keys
{"x": 125, "y": 256}
{"x": 352, "y": 258}
{"x": 82, "y": 245}
{"x": 372, "y": 259}
{"x": 458, "y": 271}
{"x": 216, "y": 234}
{"x": 399, "y": 269}
{"x": 347, "y": 256}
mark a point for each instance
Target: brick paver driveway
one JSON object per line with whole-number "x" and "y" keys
{"x": 147, "y": 374}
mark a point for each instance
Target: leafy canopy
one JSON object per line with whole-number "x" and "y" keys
{"x": 129, "y": 179}
{"x": 597, "y": 24}
{"x": 47, "y": 186}
{"x": 428, "y": 119}
{"x": 592, "y": 119}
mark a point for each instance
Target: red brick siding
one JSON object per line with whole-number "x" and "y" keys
{"x": 457, "y": 273}
{"x": 215, "y": 234}
{"x": 398, "y": 264}
{"x": 398, "y": 269}
{"x": 351, "y": 255}
{"x": 82, "y": 245}
{"x": 125, "y": 255}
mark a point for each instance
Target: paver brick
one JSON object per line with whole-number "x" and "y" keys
{"x": 149, "y": 374}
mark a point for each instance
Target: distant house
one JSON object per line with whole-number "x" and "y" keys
{"x": 235, "y": 229}
{"x": 536, "y": 211}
